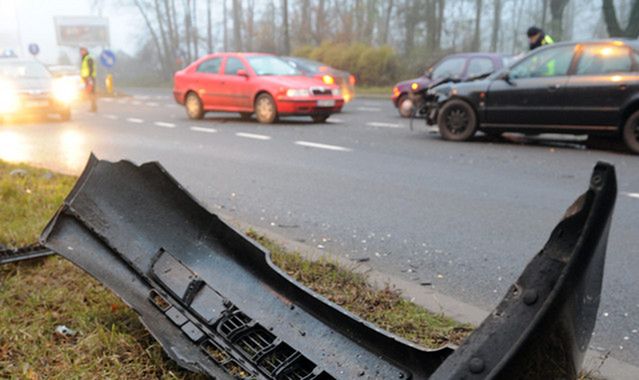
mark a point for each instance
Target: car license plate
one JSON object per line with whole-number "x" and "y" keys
{"x": 326, "y": 103}
{"x": 37, "y": 103}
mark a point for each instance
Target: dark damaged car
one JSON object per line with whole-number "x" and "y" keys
{"x": 460, "y": 66}
{"x": 587, "y": 88}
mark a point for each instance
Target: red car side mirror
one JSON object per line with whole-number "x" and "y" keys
{"x": 242, "y": 73}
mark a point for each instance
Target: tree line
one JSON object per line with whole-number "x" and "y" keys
{"x": 418, "y": 31}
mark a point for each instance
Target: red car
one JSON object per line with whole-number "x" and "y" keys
{"x": 253, "y": 83}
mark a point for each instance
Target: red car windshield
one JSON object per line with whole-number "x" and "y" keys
{"x": 269, "y": 65}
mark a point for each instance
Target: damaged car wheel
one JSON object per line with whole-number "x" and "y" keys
{"x": 457, "y": 121}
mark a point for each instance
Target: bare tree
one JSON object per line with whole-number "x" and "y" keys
{"x": 557, "y": 8}
{"x": 237, "y": 24}
{"x": 476, "y": 44}
{"x": 612, "y": 22}
{"x": 287, "y": 37}
{"x": 494, "y": 39}
{"x": 209, "y": 27}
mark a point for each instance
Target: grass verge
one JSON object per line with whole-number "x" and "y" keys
{"x": 376, "y": 91}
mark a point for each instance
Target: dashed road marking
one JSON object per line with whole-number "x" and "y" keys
{"x": 383, "y": 125}
{"x": 111, "y": 117}
{"x": 142, "y": 97}
{"x": 165, "y": 125}
{"x": 108, "y": 100}
{"x": 370, "y": 109}
{"x": 136, "y": 103}
{"x": 333, "y": 120}
{"x": 631, "y": 195}
{"x": 253, "y": 136}
{"x": 122, "y": 101}
{"x": 151, "y": 104}
{"x": 202, "y": 129}
{"x": 322, "y": 146}
{"x": 135, "y": 120}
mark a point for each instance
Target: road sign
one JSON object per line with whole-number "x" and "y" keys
{"x": 107, "y": 58}
{"x": 34, "y": 49}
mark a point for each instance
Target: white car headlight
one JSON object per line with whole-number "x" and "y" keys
{"x": 65, "y": 90}
{"x": 300, "y": 92}
{"x": 9, "y": 100}
{"x": 336, "y": 92}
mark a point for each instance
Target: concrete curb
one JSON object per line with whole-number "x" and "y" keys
{"x": 598, "y": 363}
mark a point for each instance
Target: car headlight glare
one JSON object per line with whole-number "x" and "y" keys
{"x": 9, "y": 100}
{"x": 414, "y": 86}
{"x": 297, "y": 92}
{"x": 64, "y": 90}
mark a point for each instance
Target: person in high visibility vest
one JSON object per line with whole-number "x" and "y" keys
{"x": 537, "y": 37}
{"x": 88, "y": 74}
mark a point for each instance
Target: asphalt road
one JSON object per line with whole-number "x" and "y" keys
{"x": 466, "y": 217}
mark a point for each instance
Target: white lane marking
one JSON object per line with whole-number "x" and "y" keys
{"x": 135, "y": 120}
{"x": 136, "y": 103}
{"x": 111, "y": 117}
{"x": 373, "y": 109}
{"x": 383, "y": 125}
{"x": 141, "y": 97}
{"x": 108, "y": 100}
{"x": 202, "y": 129}
{"x": 253, "y": 136}
{"x": 171, "y": 105}
{"x": 151, "y": 104}
{"x": 165, "y": 125}
{"x": 333, "y": 120}
{"x": 631, "y": 195}
{"x": 322, "y": 146}
{"x": 122, "y": 101}
{"x": 161, "y": 97}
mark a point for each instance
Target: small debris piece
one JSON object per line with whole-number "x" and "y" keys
{"x": 65, "y": 332}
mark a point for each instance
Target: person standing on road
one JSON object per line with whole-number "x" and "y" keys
{"x": 537, "y": 37}
{"x": 88, "y": 74}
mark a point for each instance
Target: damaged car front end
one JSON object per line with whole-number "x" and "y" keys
{"x": 218, "y": 305}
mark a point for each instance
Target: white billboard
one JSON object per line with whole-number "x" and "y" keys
{"x": 87, "y": 31}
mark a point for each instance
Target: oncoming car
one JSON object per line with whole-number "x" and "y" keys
{"x": 587, "y": 87}
{"x": 253, "y": 83}
{"x": 327, "y": 74}
{"x": 27, "y": 87}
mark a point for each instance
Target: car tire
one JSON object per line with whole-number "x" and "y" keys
{"x": 265, "y": 109}
{"x": 457, "y": 121}
{"x": 194, "y": 107}
{"x": 320, "y": 118}
{"x": 65, "y": 115}
{"x": 630, "y": 133}
{"x": 245, "y": 116}
{"x": 405, "y": 106}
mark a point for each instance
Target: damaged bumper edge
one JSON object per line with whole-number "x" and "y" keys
{"x": 218, "y": 305}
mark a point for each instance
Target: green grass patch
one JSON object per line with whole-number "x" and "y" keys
{"x": 386, "y": 307}
{"x": 111, "y": 342}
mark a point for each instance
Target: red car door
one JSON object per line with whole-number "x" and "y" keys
{"x": 208, "y": 82}
{"x": 236, "y": 86}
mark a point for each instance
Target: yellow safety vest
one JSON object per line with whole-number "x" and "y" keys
{"x": 85, "y": 69}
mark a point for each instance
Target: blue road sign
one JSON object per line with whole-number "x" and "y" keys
{"x": 34, "y": 49}
{"x": 107, "y": 58}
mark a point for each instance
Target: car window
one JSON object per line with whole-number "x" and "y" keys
{"x": 604, "y": 59}
{"x": 550, "y": 62}
{"x": 233, "y": 65}
{"x": 450, "y": 68}
{"x": 480, "y": 66}
{"x": 211, "y": 66}
{"x": 269, "y": 65}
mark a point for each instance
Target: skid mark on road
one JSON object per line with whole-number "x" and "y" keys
{"x": 383, "y": 125}
{"x": 253, "y": 136}
{"x": 322, "y": 146}
{"x": 164, "y": 124}
{"x": 202, "y": 129}
{"x": 135, "y": 120}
